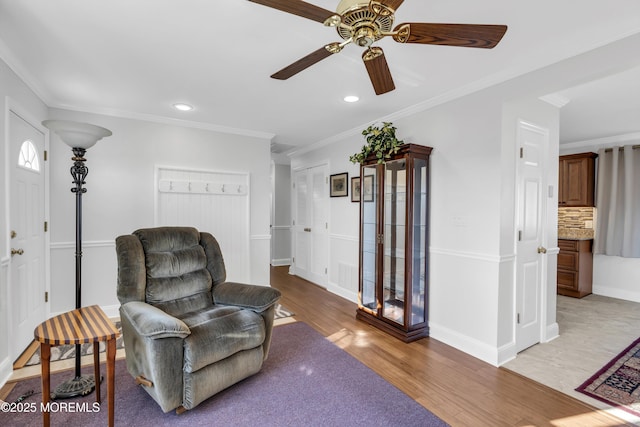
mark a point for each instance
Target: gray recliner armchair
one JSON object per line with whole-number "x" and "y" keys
{"x": 188, "y": 333}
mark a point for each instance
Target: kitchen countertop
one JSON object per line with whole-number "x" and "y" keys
{"x": 575, "y": 234}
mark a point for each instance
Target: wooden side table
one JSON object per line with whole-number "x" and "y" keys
{"x": 83, "y": 325}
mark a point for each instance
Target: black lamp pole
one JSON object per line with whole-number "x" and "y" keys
{"x": 80, "y": 385}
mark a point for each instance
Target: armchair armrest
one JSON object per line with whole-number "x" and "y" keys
{"x": 151, "y": 322}
{"x": 256, "y": 298}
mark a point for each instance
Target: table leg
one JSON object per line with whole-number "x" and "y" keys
{"x": 111, "y": 377}
{"x": 96, "y": 369}
{"x": 45, "y": 358}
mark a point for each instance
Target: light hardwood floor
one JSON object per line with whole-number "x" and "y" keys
{"x": 460, "y": 389}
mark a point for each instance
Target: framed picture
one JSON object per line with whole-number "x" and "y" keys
{"x": 367, "y": 188}
{"x": 355, "y": 189}
{"x": 338, "y": 186}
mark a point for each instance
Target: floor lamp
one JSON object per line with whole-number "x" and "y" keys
{"x": 80, "y": 137}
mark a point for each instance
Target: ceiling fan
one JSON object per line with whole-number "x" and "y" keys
{"x": 364, "y": 22}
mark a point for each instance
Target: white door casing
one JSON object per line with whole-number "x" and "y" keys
{"x": 532, "y": 143}
{"x": 310, "y": 228}
{"x": 27, "y": 284}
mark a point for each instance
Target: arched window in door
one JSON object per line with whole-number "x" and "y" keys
{"x": 28, "y": 157}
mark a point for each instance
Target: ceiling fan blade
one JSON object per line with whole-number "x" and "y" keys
{"x": 465, "y": 35}
{"x": 307, "y": 61}
{"x": 391, "y": 4}
{"x": 300, "y": 8}
{"x": 378, "y": 70}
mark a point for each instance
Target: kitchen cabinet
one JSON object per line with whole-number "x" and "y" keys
{"x": 575, "y": 267}
{"x": 394, "y": 215}
{"x": 577, "y": 180}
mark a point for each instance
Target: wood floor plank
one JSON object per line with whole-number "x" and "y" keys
{"x": 460, "y": 389}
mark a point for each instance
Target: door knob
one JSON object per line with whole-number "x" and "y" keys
{"x": 542, "y": 250}
{"x": 16, "y": 252}
{"x": 308, "y": 230}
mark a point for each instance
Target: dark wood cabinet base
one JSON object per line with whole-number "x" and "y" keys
{"x": 406, "y": 336}
{"x": 575, "y": 268}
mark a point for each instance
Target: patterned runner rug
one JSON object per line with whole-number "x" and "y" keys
{"x": 618, "y": 382}
{"x": 63, "y": 352}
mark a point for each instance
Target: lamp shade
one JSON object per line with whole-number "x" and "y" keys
{"x": 76, "y": 134}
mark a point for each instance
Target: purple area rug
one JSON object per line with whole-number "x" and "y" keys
{"x": 307, "y": 380}
{"x": 618, "y": 382}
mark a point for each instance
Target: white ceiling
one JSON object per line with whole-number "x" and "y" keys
{"x": 136, "y": 58}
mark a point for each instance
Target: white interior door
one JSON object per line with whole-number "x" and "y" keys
{"x": 530, "y": 260}
{"x": 310, "y": 228}
{"x": 27, "y": 284}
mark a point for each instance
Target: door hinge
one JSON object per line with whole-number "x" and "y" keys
{"x": 325, "y": 270}
{"x": 46, "y": 226}
{"x": 294, "y": 260}
{"x": 294, "y": 222}
{"x": 521, "y": 152}
{"x": 45, "y": 155}
{"x": 46, "y": 297}
{"x": 326, "y": 225}
{"x": 519, "y": 235}
{"x": 518, "y": 318}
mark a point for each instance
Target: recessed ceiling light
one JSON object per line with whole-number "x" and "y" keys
{"x": 351, "y": 98}
{"x": 182, "y": 107}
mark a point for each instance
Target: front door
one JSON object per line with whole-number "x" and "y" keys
{"x": 532, "y": 143}
{"x": 310, "y": 228}
{"x": 27, "y": 186}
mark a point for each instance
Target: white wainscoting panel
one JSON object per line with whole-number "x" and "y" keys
{"x": 211, "y": 201}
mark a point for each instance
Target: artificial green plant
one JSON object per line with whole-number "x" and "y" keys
{"x": 380, "y": 140}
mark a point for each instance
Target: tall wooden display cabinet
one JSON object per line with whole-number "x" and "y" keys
{"x": 394, "y": 243}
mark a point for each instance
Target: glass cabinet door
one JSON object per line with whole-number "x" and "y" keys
{"x": 395, "y": 189}
{"x": 369, "y": 235}
{"x": 419, "y": 242}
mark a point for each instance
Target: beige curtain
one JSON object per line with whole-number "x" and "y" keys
{"x": 618, "y": 202}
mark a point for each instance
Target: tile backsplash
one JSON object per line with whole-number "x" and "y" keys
{"x": 576, "y": 218}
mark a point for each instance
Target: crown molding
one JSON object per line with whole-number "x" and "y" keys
{"x": 168, "y": 121}
{"x": 555, "y": 99}
{"x": 605, "y": 142}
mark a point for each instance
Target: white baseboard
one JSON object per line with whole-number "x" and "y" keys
{"x": 281, "y": 262}
{"x": 608, "y": 291}
{"x": 334, "y": 288}
{"x": 471, "y": 346}
{"x": 552, "y": 332}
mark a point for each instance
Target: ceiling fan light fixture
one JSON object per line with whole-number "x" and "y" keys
{"x": 182, "y": 106}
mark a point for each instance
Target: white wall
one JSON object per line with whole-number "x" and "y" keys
{"x": 120, "y": 196}
{"x": 281, "y": 214}
{"x": 465, "y": 216}
{"x": 613, "y": 276}
{"x": 343, "y": 215}
{"x": 14, "y": 93}
{"x": 471, "y": 220}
